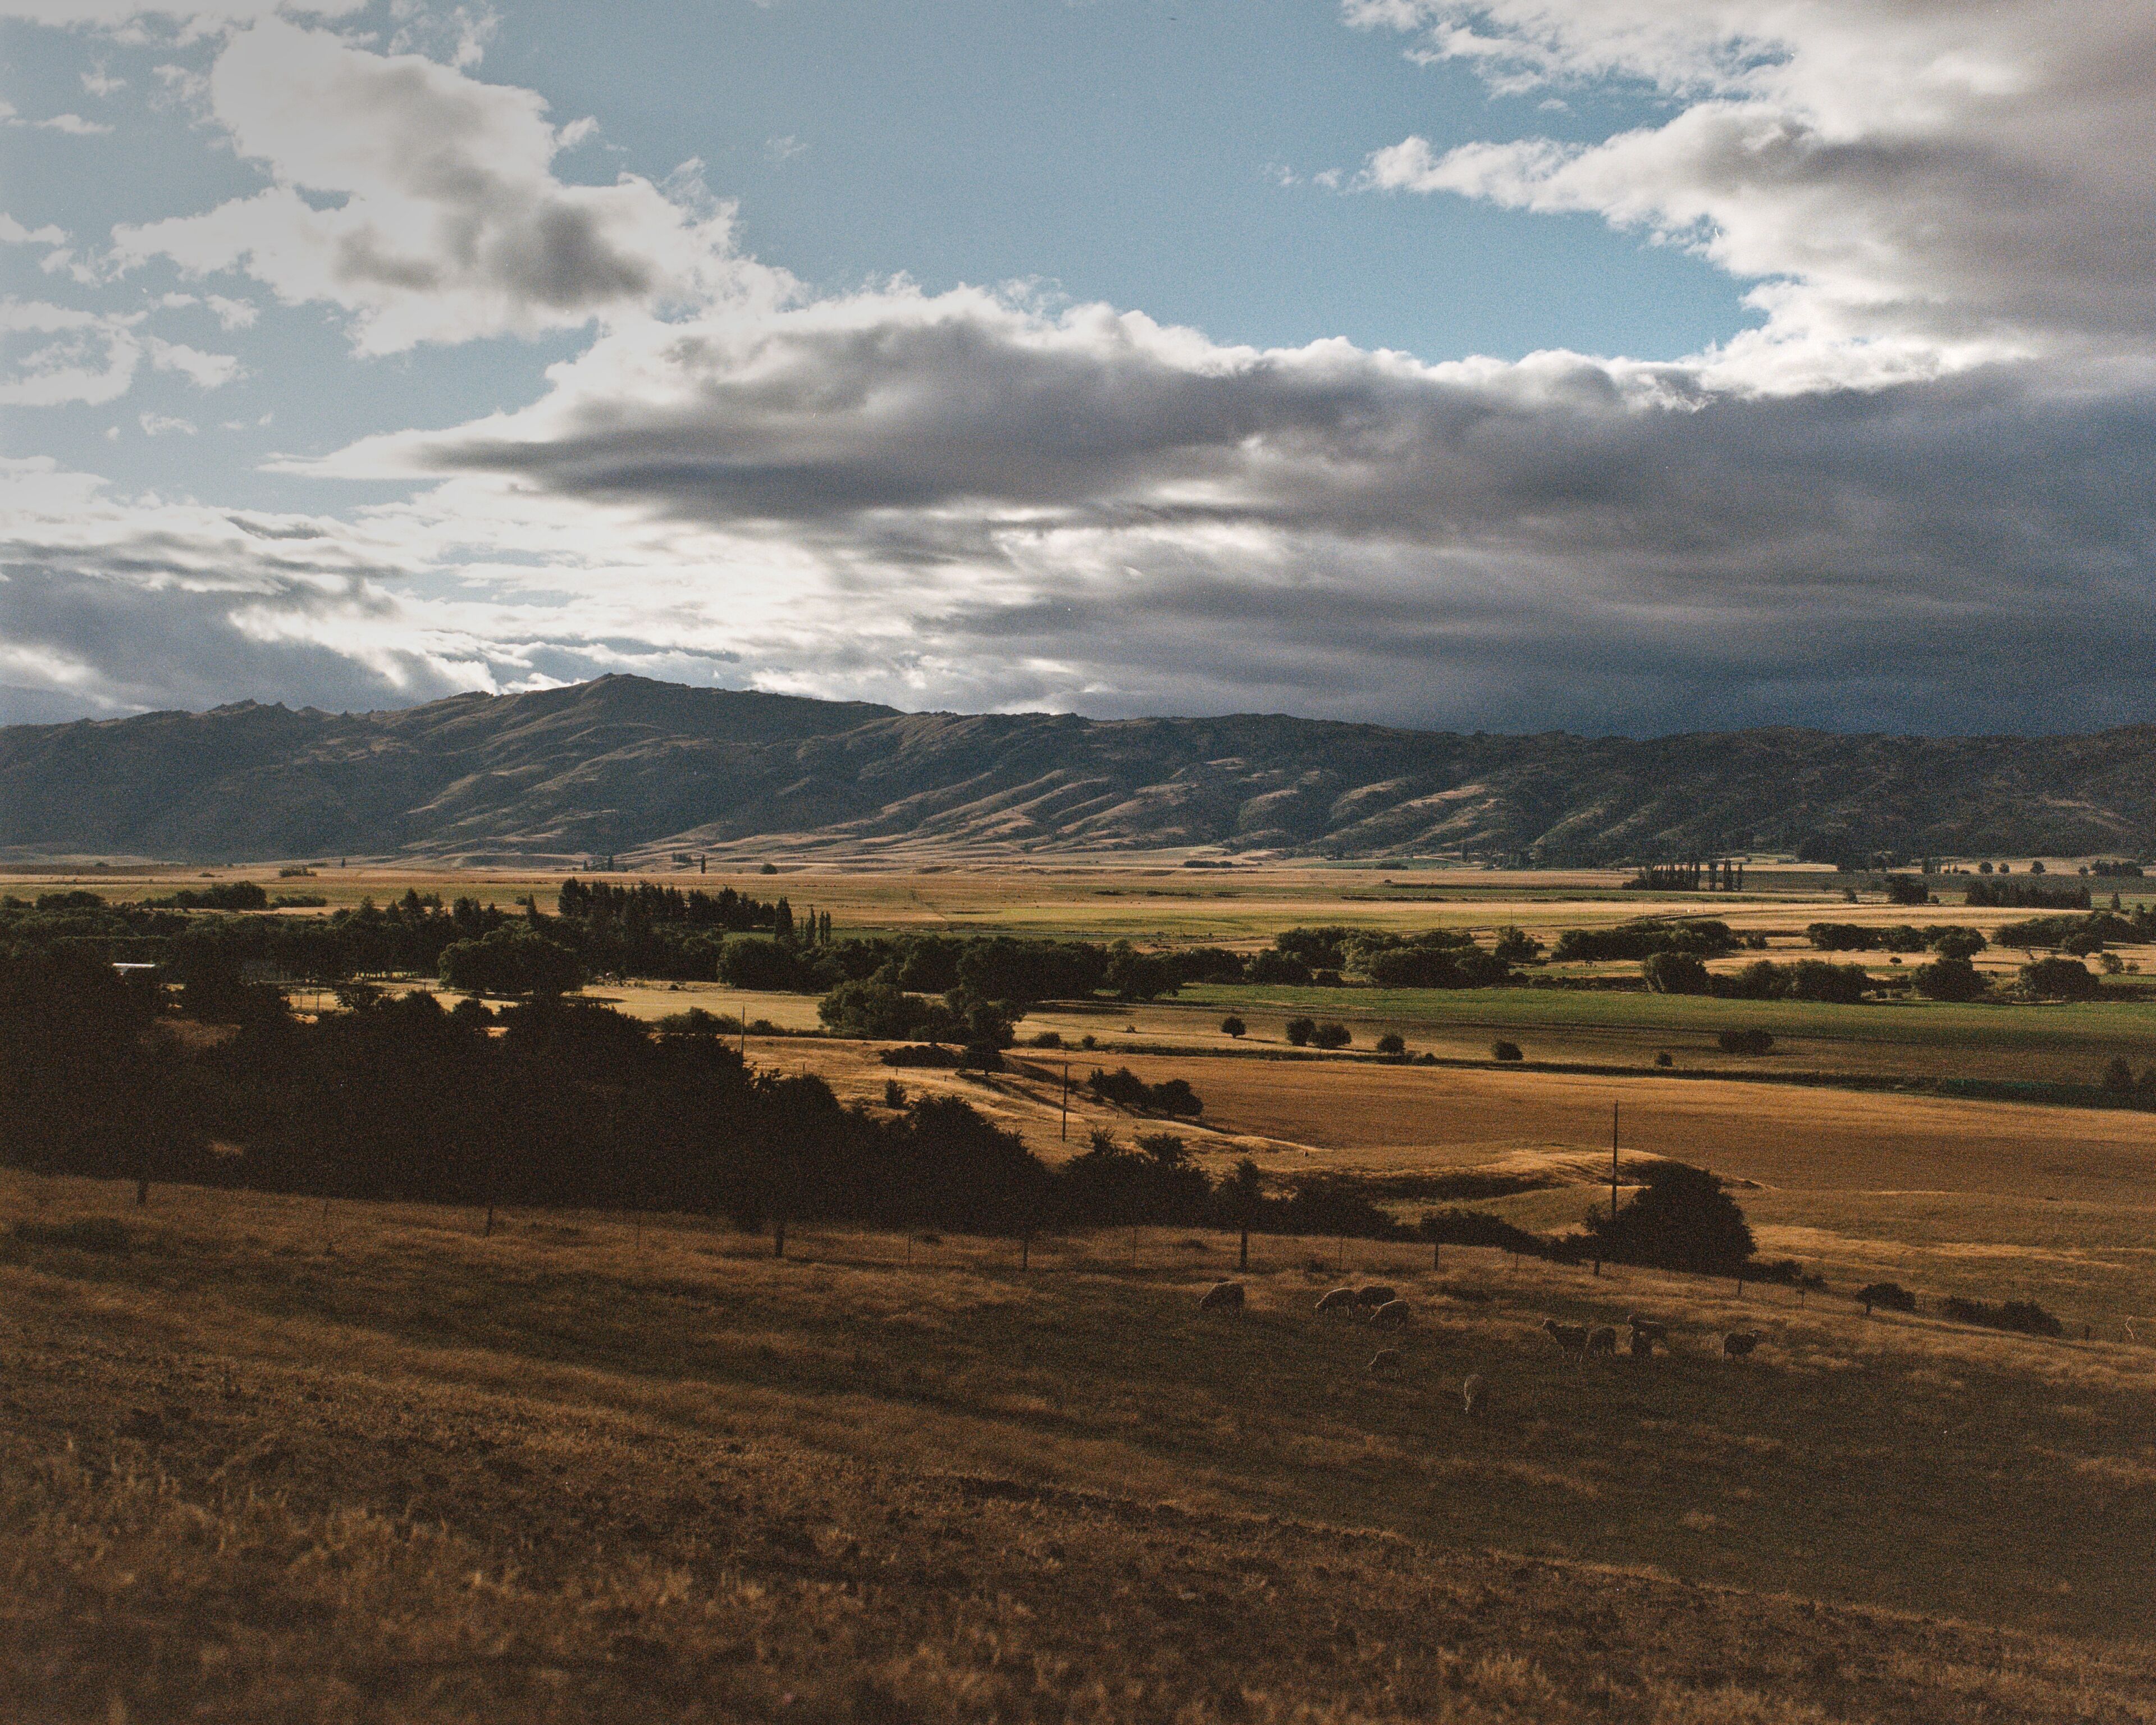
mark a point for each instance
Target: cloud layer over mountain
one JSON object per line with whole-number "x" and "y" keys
{"x": 1916, "y": 496}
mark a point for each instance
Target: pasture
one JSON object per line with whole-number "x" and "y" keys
{"x": 263, "y": 1458}
{"x": 272, "y": 1460}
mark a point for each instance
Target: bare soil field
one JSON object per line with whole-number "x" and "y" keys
{"x": 268, "y": 1462}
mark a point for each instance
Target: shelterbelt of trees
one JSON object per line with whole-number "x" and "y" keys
{"x": 567, "y": 1103}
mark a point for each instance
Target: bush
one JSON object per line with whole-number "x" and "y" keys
{"x": 1745, "y": 1042}
{"x": 2025, "y": 1316}
{"x": 1891, "y": 1296}
{"x": 1906, "y": 889}
{"x": 2118, "y": 1077}
{"x": 1299, "y": 1031}
{"x": 1048, "y": 1038}
{"x": 1332, "y": 1036}
{"x": 919, "y": 1055}
{"x": 1503, "y": 1050}
{"x": 87, "y": 1233}
{"x": 1392, "y": 1043}
{"x": 1233, "y": 1026}
{"x": 1663, "y": 1057}
{"x": 1125, "y": 1089}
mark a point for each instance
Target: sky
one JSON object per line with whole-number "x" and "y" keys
{"x": 1611, "y": 366}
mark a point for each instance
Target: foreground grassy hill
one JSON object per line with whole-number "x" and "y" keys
{"x": 626, "y": 765}
{"x": 262, "y": 1459}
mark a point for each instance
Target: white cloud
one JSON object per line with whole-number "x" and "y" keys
{"x": 1955, "y": 184}
{"x": 451, "y": 224}
{"x": 73, "y": 123}
{"x": 13, "y": 233}
{"x": 99, "y": 82}
{"x": 205, "y": 371}
{"x": 162, "y": 425}
{"x": 53, "y": 355}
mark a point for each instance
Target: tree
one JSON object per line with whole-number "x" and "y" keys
{"x": 1392, "y": 1043}
{"x": 1674, "y": 973}
{"x": 2060, "y": 979}
{"x": 1681, "y": 1218}
{"x": 1299, "y": 1031}
{"x": 1331, "y": 1034}
{"x": 1951, "y": 978}
{"x": 1240, "y": 1198}
{"x": 1503, "y": 1050}
{"x": 510, "y": 961}
{"x": 1233, "y": 1026}
{"x": 1958, "y": 942}
{"x": 2118, "y": 1077}
{"x": 1515, "y": 947}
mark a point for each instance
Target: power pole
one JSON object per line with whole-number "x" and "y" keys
{"x": 1065, "y": 1137}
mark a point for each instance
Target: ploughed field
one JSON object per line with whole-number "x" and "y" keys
{"x": 262, "y": 1459}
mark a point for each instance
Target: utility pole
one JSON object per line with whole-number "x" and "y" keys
{"x": 1065, "y": 1137}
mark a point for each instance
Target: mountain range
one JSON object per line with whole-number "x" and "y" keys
{"x": 642, "y": 771}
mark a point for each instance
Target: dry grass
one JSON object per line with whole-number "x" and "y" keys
{"x": 264, "y": 1465}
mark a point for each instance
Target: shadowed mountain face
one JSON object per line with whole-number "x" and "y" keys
{"x": 628, "y": 767}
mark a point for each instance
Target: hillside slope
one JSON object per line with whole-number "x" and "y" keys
{"x": 624, "y": 765}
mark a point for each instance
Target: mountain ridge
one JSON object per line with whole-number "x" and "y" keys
{"x": 633, "y": 768}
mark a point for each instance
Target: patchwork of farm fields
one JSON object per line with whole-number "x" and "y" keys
{"x": 269, "y": 1458}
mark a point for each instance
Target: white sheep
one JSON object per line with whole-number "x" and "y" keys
{"x": 1385, "y": 1359}
{"x": 1339, "y": 1300}
{"x": 1223, "y": 1297}
{"x": 1377, "y": 1294}
{"x": 1474, "y": 1396}
{"x": 1737, "y": 1344}
{"x": 1571, "y": 1337}
{"x": 1393, "y": 1315}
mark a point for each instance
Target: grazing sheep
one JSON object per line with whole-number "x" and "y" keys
{"x": 1474, "y": 1396}
{"x": 1571, "y": 1337}
{"x": 1737, "y": 1344}
{"x": 1393, "y": 1315}
{"x": 1339, "y": 1300}
{"x": 1603, "y": 1339}
{"x": 1377, "y": 1294}
{"x": 1385, "y": 1359}
{"x": 1223, "y": 1297}
{"x": 1646, "y": 1335}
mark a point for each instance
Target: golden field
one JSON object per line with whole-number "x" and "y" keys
{"x": 268, "y": 1459}
{"x": 272, "y": 1462}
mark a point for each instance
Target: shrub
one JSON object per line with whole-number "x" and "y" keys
{"x": 1664, "y": 1058}
{"x": 1332, "y": 1036}
{"x": 1048, "y": 1039}
{"x": 1503, "y": 1050}
{"x": 919, "y": 1055}
{"x": 1745, "y": 1042}
{"x": 2119, "y": 1075}
{"x": 1392, "y": 1043}
{"x": 1126, "y": 1089}
{"x": 86, "y": 1233}
{"x": 1233, "y": 1026}
{"x": 1299, "y": 1031}
{"x": 2025, "y": 1316}
{"x": 1890, "y": 1295}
